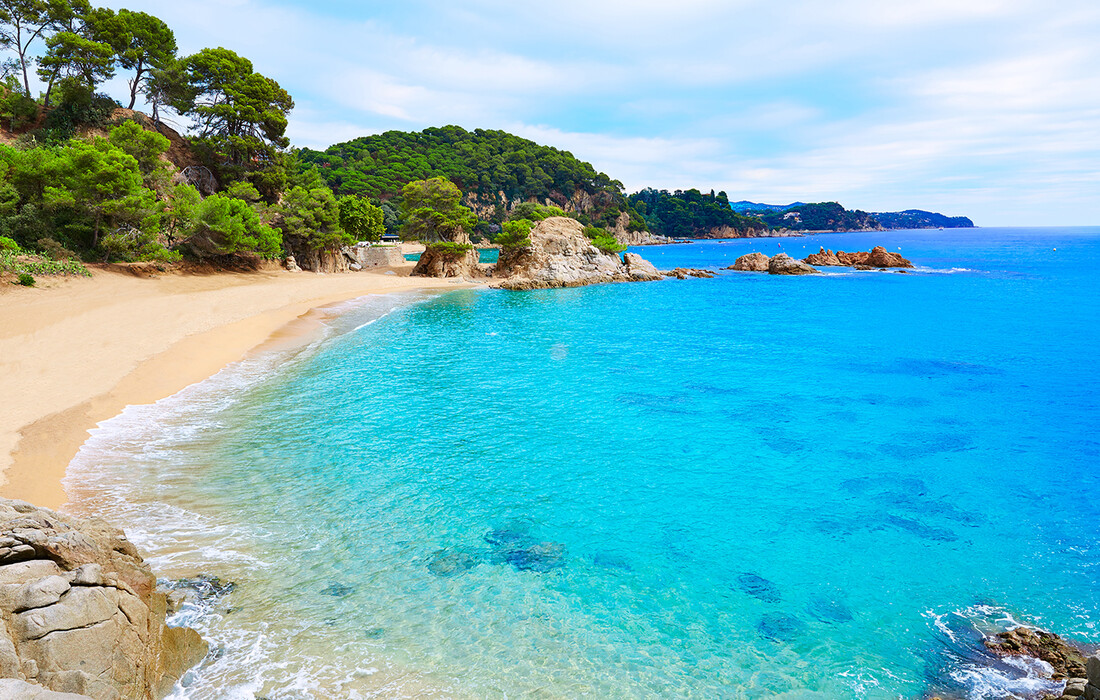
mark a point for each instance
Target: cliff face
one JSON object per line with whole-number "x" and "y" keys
{"x": 488, "y": 206}
{"x": 80, "y": 611}
{"x": 560, "y": 255}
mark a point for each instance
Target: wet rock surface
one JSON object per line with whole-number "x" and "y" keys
{"x": 784, "y": 264}
{"x": 1067, "y": 660}
{"x": 80, "y": 611}
{"x": 682, "y": 273}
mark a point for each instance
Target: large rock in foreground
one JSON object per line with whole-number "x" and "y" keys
{"x": 560, "y": 255}
{"x": 784, "y": 264}
{"x": 80, "y": 611}
{"x": 448, "y": 260}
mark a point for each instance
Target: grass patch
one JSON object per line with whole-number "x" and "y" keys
{"x": 38, "y": 266}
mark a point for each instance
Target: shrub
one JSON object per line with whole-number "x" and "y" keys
{"x": 450, "y": 251}
{"x": 608, "y": 244}
{"x": 533, "y": 211}
{"x": 53, "y": 250}
{"x": 25, "y": 280}
{"x": 133, "y": 245}
{"x": 514, "y": 234}
{"x": 7, "y": 245}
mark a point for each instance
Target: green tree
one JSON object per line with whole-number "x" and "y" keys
{"x": 169, "y": 85}
{"x": 100, "y": 181}
{"x": 22, "y": 22}
{"x": 227, "y": 226}
{"x": 433, "y": 212}
{"x": 78, "y": 58}
{"x": 514, "y": 234}
{"x": 313, "y": 217}
{"x": 241, "y": 116}
{"x": 141, "y": 42}
{"x": 145, "y": 146}
{"x": 361, "y": 219}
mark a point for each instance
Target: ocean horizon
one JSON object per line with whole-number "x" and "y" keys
{"x": 827, "y": 486}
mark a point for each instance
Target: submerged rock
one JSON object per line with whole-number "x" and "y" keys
{"x": 524, "y": 552}
{"x": 780, "y": 627}
{"x": 338, "y": 590}
{"x": 446, "y": 563}
{"x": 753, "y": 262}
{"x": 80, "y": 611}
{"x": 759, "y": 587}
{"x": 829, "y": 610}
{"x": 784, "y": 264}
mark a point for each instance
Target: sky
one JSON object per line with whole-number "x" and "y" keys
{"x": 983, "y": 108}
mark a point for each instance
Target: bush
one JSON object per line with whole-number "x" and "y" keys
{"x": 136, "y": 246}
{"x": 608, "y": 244}
{"x": 37, "y": 265}
{"x": 450, "y": 251}
{"x": 54, "y": 250}
{"x": 533, "y": 211}
{"x": 514, "y": 234}
{"x": 79, "y": 107}
{"x": 25, "y": 280}
{"x": 7, "y": 245}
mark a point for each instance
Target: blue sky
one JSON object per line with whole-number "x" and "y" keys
{"x": 984, "y": 108}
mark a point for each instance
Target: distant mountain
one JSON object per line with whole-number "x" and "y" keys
{"x": 800, "y": 216}
{"x": 823, "y": 216}
{"x": 747, "y": 207}
{"x": 916, "y": 218}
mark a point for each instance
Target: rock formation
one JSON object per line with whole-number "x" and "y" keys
{"x": 876, "y": 257}
{"x": 682, "y": 273}
{"x": 823, "y": 258}
{"x": 443, "y": 260}
{"x": 639, "y": 268}
{"x": 1067, "y": 660}
{"x": 367, "y": 256}
{"x": 80, "y": 611}
{"x": 560, "y": 255}
{"x": 784, "y": 264}
{"x": 753, "y": 262}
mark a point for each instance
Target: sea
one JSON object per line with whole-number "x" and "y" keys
{"x": 751, "y": 486}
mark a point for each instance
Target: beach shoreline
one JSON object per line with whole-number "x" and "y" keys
{"x": 77, "y": 351}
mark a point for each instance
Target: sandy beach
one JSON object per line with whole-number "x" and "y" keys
{"x": 76, "y": 351}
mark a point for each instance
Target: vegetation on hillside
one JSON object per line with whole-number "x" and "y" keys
{"x": 482, "y": 163}
{"x": 689, "y": 214}
{"x": 823, "y": 216}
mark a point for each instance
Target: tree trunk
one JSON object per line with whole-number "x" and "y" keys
{"x": 134, "y": 85}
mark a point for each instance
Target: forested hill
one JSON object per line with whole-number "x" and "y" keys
{"x": 482, "y": 163}
{"x": 692, "y": 214}
{"x": 823, "y": 216}
{"x": 916, "y": 218}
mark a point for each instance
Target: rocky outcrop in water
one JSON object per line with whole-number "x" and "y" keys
{"x": 876, "y": 257}
{"x": 753, "y": 262}
{"x": 454, "y": 258}
{"x": 639, "y": 268}
{"x": 682, "y": 273}
{"x": 560, "y": 255}
{"x": 80, "y": 611}
{"x": 1066, "y": 659}
{"x": 784, "y": 264}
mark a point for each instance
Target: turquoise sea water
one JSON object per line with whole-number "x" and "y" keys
{"x": 749, "y": 486}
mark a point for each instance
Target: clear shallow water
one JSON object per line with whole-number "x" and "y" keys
{"x": 757, "y": 485}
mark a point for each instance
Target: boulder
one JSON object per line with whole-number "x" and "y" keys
{"x": 825, "y": 258}
{"x": 80, "y": 612}
{"x": 784, "y": 264}
{"x": 877, "y": 257}
{"x": 753, "y": 262}
{"x": 682, "y": 273}
{"x": 560, "y": 255}
{"x": 1067, "y": 660}
{"x": 639, "y": 268}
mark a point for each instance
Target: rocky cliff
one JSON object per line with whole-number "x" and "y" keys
{"x": 560, "y": 255}
{"x": 80, "y": 611}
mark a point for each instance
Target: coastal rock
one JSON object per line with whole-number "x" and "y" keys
{"x": 876, "y": 257}
{"x": 455, "y": 258}
{"x": 682, "y": 273}
{"x": 13, "y": 689}
{"x": 825, "y": 258}
{"x": 639, "y": 268}
{"x": 80, "y": 611}
{"x": 1067, "y": 660}
{"x": 753, "y": 262}
{"x": 367, "y": 256}
{"x": 784, "y": 264}
{"x": 559, "y": 255}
